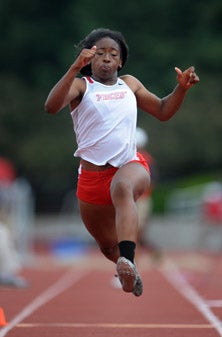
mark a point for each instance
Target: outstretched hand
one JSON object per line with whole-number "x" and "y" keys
{"x": 187, "y": 78}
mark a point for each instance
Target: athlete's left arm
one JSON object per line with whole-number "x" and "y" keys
{"x": 163, "y": 108}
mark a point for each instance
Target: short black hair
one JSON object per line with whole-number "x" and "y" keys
{"x": 97, "y": 34}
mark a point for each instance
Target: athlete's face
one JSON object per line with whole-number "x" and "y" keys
{"x": 106, "y": 61}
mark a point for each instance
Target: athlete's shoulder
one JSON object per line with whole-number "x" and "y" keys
{"x": 127, "y": 77}
{"x": 131, "y": 81}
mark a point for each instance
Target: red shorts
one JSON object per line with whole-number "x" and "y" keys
{"x": 94, "y": 186}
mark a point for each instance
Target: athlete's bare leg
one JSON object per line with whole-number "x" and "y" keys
{"x": 110, "y": 224}
{"x": 128, "y": 183}
{"x": 100, "y": 222}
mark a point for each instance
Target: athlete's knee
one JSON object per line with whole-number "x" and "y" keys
{"x": 121, "y": 189}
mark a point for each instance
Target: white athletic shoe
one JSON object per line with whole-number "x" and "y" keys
{"x": 129, "y": 276}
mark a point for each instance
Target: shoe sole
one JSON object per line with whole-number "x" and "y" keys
{"x": 138, "y": 288}
{"x": 127, "y": 274}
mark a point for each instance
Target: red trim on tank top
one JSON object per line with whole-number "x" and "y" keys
{"x": 89, "y": 79}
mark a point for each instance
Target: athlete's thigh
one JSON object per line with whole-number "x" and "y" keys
{"x": 133, "y": 174}
{"x": 100, "y": 222}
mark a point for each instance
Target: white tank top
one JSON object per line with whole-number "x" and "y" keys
{"x": 105, "y": 123}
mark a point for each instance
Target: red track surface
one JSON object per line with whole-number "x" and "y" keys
{"x": 182, "y": 298}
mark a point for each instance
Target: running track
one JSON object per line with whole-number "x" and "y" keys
{"x": 182, "y": 298}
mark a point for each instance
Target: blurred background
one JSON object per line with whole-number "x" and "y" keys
{"x": 38, "y": 45}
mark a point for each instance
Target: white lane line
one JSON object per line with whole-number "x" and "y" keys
{"x": 175, "y": 278}
{"x": 66, "y": 281}
{"x": 214, "y": 303}
{"x": 115, "y": 325}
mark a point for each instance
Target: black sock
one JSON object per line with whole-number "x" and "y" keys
{"x": 127, "y": 249}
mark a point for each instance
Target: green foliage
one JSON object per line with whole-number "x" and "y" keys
{"x": 37, "y": 45}
{"x": 163, "y": 191}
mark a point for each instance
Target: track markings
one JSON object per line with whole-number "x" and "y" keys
{"x": 66, "y": 281}
{"x": 171, "y": 273}
{"x": 214, "y": 303}
{"x": 116, "y": 325}
{"x": 176, "y": 279}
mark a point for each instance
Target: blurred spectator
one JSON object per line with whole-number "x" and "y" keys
{"x": 7, "y": 171}
{"x": 212, "y": 203}
{"x": 10, "y": 264}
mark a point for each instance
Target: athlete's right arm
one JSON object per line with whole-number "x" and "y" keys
{"x": 69, "y": 88}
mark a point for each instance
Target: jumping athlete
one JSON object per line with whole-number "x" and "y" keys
{"x": 112, "y": 174}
